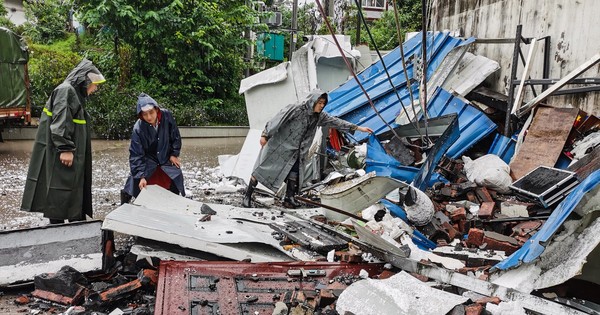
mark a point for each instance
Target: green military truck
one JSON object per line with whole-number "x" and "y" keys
{"x": 15, "y": 100}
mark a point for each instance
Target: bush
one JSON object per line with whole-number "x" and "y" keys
{"x": 113, "y": 111}
{"x": 48, "y": 67}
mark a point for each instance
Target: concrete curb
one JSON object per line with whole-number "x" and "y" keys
{"x": 28, "y": 133}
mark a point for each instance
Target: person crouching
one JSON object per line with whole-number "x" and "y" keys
{"x": 154, "y": 151}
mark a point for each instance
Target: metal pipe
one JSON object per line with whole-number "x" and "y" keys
{"x": 513, "y": 75}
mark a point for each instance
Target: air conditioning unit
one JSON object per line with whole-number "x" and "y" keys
{"x": 274, "y": 19}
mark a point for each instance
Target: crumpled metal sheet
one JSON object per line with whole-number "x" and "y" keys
{"x": 349, "y": 102}
{"x": 536, "y": 245}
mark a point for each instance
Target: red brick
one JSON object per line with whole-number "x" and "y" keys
{"x": 473, "y": 309}
{"x": 452, "y": 232}
{"x": 500, "y": 245}
{"x": 475, "y": 237}
{"x": 486, "y": 210}
{"x": 488, "y": 299}
{"x": 483, "y": 194}
{"x": 459, "y": 214}
{"x": 21, "y": 300}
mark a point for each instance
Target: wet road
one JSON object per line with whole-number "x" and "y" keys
{"x": 110, "y": 170}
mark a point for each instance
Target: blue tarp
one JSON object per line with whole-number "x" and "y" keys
{"x": 349, "y": 102}
{"x": 535, "y": 246}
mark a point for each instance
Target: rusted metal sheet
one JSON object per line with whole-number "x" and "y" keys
{"x": 246, "y": 288}
{"x": 545, "y": 140}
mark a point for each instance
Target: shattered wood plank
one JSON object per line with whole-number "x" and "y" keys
{"x": 545, "y": 140}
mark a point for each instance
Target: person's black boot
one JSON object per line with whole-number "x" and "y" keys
{"x": 125, "y": 197}
{"x": 289, "y": 201}
{"x": 248, "y": 194}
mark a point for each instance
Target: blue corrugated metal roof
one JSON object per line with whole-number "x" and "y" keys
{"x": 504, "y": 147}
{"x": 535, "y": 246}
{"x": 382, "y": 164}
{"x": 473, "y": 123}
{"x": 349, "y": 102}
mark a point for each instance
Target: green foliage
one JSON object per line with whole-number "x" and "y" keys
{"x": 48, "y": 66}
{"x": 195, "y": 49}
{"x": 112, "y": 111}
{"x": 48, "y": 20}
{"x": 384, "y": 30}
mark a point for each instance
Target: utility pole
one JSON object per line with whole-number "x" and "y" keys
{"x": 294, "y": 32}
{"x": 358, "y": 24}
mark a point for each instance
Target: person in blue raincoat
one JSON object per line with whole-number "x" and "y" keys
{"x": 285, "y": 142}
{"x": 59, "y": 178}
{"x": 154, "y": 151}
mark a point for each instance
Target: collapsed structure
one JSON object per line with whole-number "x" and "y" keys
{"x": 465, "y": 204}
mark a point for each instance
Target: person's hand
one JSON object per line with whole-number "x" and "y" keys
{"x": 263, "y": 141}
{"x": 364, "y": 129}
{"x": 66, "y": 158}
{"x": 143, "y": 183}
{"x": 175, "y": 161}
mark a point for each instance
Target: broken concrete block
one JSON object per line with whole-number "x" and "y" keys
{"x": 513, "y": 209}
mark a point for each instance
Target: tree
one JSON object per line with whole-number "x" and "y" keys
{"x": 47, "y": 20}
{"x": 384, "y": 30}
{"x": 194, "y": 48}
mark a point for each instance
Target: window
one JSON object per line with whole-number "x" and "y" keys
{"x": 373, "y": 3}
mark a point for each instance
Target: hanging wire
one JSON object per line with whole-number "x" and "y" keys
{"x": 400, "y": 42}
{"x": 423, "y": 96}
{"x": 337, "y": 43}
{"x": 362, "y": 18}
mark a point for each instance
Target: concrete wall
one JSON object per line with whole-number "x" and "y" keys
{"x": 570, "y": 24}
{"x": 16, "y": 14}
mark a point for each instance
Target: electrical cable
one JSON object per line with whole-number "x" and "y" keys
{"x": 351, "y": 70}
{"x": 362, "y": 18}
{"x": 423, "y": 88}
{"x": 400, "y": 43}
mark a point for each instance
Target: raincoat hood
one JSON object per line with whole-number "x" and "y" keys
{"x": 313, "y": 96}
{"x": 78, "y": 77}
{"x": 144, "y": 100}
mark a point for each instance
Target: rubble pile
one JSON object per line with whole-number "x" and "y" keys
{"x": 475, "y": 208}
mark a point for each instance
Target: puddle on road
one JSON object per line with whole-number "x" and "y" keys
{"x": 110, "y": 168}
